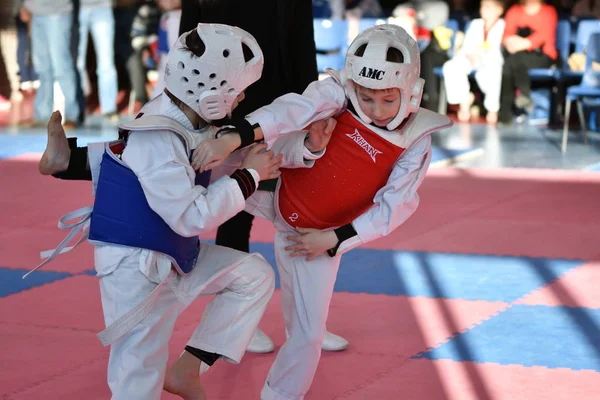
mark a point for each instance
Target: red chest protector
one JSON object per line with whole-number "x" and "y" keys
{"x": 342, "y": 184}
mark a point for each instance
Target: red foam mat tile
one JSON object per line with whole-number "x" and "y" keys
{"x": 21, "y": 249}
{"x": 378, "y": 325}
{"x": 510, "y": 237}
{"x": 32, "y": 356}
{"x": 444, "y": 379}
{"x": 577, "y": 288}
{"x": 72, "y": 303}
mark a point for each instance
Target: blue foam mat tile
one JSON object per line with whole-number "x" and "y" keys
{"x": 441, "y": 275}
{"x": 552, "y": 337}
{"x": 11, "y": 281}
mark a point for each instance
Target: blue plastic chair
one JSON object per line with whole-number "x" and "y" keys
{"x": 331, "y": 40}
{"x": 321, "y": 9}
{"x": 585, "y": 27}
{"x": 587, "y": 92}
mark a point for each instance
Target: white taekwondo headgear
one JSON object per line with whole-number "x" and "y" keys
{"x": 209, "y": 82}
{"x": 367, "y": 65}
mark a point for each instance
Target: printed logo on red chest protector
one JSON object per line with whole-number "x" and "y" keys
{"x": 358, "y": 139}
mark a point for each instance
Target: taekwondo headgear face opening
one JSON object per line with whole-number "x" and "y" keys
{"x": 208, "y": 76}
{"x": 367, "y": 65}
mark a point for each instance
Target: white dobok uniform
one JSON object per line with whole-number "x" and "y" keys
{"x": 142, "y": 295}
{"x": 307, "y": 286}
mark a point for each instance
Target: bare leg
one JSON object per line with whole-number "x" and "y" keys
{"x": 56, "y": 156}
{"x": 182, "y": 378}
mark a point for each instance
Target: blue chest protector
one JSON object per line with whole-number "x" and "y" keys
{"x": 122, "y": 216}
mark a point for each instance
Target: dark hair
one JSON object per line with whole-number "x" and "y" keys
{"x": 194, "y": 44}
{"x": 393, "y": 54}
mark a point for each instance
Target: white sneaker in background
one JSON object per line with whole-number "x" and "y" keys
{"x": 260, "y": 343}
{"x": 333, "y": 342}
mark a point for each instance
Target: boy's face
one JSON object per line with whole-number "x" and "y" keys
{"x": 490, "y": 10}
{"x": 380, "y": 105}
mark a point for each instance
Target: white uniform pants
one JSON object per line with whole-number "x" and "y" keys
{"x": 306, "y": 290}
{"x": 243, "y": 284}
{"x": 488, "y": 78}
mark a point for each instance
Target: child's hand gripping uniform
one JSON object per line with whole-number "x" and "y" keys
{"x": 363, "y": 187}
{"x": 151, "y": 206}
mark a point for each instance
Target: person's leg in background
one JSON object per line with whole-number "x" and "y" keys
{"x": 58, "y": 42}
{"x": 137, "y": 76}
{"x": 82, "y": 46}
{"x": 5, "y": 84}
{"x": 488, "y": 79}
{"x": 507, "y": 88}
{"x": 44, "y": 97}
{"x": 26, "y": 72}
{"x": 431, "y": 58}
{"x": 124, "y": 51}
{"x": 103, "y": 33}
{"x": 458, "y": 89}
{"x": 528, "y": 60}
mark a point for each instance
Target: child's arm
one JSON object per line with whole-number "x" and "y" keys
{"x": 301, "y": 149}
{"x": 160, "y": 161}
{"x": 213, "y": 153}
{"x": 292, "y": 112}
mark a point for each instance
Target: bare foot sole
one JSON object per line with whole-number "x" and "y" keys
{"x": 182, "y": 378}
{"x": 56, "y": 156}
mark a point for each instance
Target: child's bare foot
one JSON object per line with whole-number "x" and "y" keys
{"x": 183, "y": 378}
{"x": 56, "y": 156}
{"x": 491, "y": 117}
{"x": 464, "y": 110}
{"x": 464, "y": 114}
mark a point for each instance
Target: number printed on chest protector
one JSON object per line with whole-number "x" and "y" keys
{"x": 293, "y": 217}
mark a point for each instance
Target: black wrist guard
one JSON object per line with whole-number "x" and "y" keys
{"x": 343, "y": 233}
{"x": 244, "y": 129}
{"x": 77, "y": 169}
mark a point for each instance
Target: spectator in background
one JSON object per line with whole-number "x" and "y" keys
{"x": 96, "y": 16}
{"x": 129, "y": 24}
{"x": 51, "y": 24}
{"x": 168, "y": 32}
{"x": 27, "y": 75}
{"x": 529, "y": 42}
{"x": 480, "y": 52}
{"x": 432, "y": 16}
